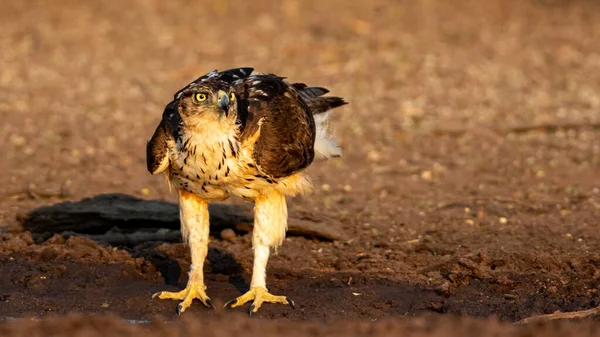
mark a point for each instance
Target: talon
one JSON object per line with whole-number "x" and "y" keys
{"x": 187, "y": 296}
{"x": 257, "y": 296}
{"x": 233, "y": 301}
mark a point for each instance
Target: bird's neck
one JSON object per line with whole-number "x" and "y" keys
{"x": 207, "y": 134}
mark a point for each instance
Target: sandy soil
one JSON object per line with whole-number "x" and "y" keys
{"x": 469, "y": 187}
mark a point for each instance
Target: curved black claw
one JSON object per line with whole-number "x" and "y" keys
{"x": 210, "y": 304}
{"x": 250, "y": 309}
{"x": 179, "y": 306}
{"x": 231, "y": 302}
{"x": 291, "y": 302}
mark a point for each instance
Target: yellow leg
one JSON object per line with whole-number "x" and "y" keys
{"x": 270, "y": 224}
{"x": 193, "y": 212}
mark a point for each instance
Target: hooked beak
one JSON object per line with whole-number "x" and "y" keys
{"x": 223, "y": 102}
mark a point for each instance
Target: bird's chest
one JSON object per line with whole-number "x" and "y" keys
{"x": 205, "y": 164}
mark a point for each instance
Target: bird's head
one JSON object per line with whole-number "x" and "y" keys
{"x": 207, "y": 102}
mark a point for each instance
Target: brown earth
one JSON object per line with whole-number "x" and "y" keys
{"x": 469, "y": 187}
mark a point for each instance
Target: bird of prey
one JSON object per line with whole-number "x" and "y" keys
{"x": 244, "y": 134}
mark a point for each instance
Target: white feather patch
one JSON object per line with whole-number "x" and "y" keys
{"x": 325, "y": 146}
{"x": 164, "y": 163}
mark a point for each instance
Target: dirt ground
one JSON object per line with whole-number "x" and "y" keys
{"x": 469, "y": 187}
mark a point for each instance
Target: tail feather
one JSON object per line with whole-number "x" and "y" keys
{"x": 326, "y": 146}
{"x": 313, "y": 98}
{"x": 320, "y": 105}
{"x": 308, "y": 92}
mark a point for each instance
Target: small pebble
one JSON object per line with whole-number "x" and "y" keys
{"x": 228, "y": 234}
{"x": 444, "y": 288}
{"x": 18, "y": 140}
{"x": 374, "y": 156}
{"x": 503, "y": 220}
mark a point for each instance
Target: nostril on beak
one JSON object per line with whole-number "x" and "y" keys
{"x": 224, "y": 103}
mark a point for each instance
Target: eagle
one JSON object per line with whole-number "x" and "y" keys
{"x": 246, "y": 134}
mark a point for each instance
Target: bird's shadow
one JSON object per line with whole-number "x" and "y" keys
{"x": 224, "y": 263}
{"x": 219, "y": 261}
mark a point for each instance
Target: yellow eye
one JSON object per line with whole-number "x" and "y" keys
{"x": 200, "y": 97}
{"x": 232, "y": 97}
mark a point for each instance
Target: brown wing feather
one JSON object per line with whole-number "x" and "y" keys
{"x": 287, "y": 132}
{"x": 157, "y": 152}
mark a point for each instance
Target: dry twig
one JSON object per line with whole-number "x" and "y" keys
{"x": 518, "y": 129}
{"x": 549, "y": 127}
{"x": 560, "y": 315}
{"x": 34, "y": 194}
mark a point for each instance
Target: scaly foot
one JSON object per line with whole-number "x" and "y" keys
{"x": 187, "y": 295}
{"x": 259, "y": 295}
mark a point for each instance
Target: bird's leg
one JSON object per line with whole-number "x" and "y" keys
{"x": 270, "y": 224}
{"x": 193, "y": 212}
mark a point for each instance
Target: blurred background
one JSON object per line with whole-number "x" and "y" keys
{"x": 435, "y": 88}
{"x": 471, "y": 147}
